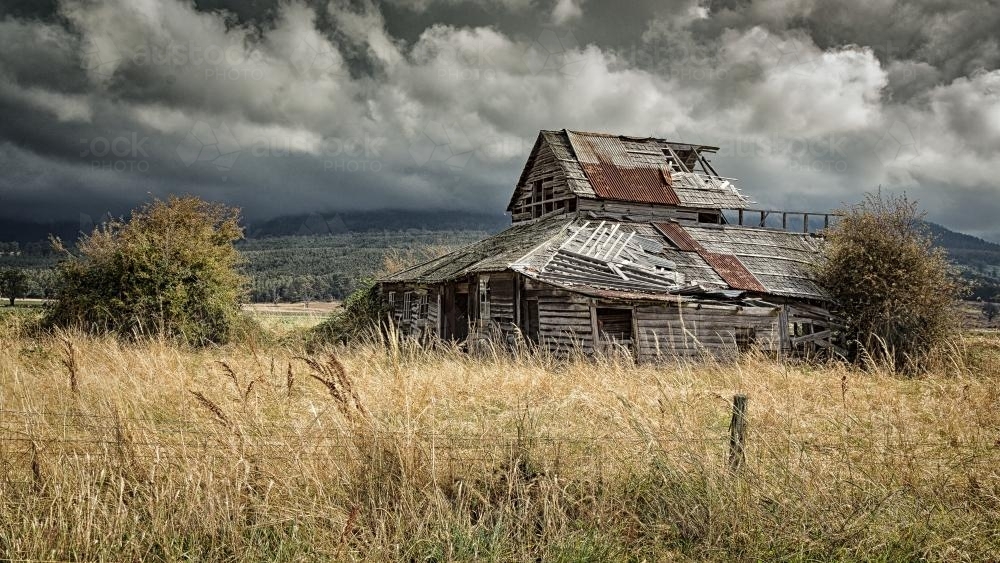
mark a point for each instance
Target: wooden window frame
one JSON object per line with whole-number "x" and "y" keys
{"x": 484, "y": 299}
{"x": 423, "y": 307}
{"x": 407, "y": 304}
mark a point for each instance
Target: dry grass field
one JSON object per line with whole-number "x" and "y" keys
{"x": 127, "y": 452}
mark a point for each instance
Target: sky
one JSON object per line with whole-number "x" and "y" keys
{"x": 289, "y": 107}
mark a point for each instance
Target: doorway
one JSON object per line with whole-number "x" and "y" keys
{"x": 456, "y": 312}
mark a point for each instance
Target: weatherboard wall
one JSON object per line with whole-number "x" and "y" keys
{"x": 667, "y": 330}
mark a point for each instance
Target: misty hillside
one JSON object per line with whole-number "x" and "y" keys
{"x": 384, "y": 220}
{"x": 954, "y": 240}
{"x": 979, "y": 259}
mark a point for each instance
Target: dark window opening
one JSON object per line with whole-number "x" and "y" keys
{"x": 531, "y": 320}
{"x": 745, "y": 338}
{"x": 708, "y": 217}
{"x": 615, "y": 325}
{"x": 424, "y": 307}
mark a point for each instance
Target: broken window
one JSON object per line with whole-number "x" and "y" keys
{"x": 406, "y": 305}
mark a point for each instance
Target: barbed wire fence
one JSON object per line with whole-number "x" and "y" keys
{"x": 28, "y": 434}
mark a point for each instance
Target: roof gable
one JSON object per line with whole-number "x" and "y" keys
{"x": 552, "y": 152}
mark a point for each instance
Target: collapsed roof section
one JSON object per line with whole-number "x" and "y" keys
{"x": 631, "y": 259}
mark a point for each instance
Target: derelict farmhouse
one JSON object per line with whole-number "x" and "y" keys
{"x": 630, "y": 242}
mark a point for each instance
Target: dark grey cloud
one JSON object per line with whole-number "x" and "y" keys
{"x": 290, "y": 107}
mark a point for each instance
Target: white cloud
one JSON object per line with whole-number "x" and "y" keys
{"x": 63, "y": 107}
{"x": 566, "y": 10}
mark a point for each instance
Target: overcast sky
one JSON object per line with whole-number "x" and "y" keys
{"x": 289, "y": 107}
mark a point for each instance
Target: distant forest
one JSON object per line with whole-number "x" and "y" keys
{"x": 323, "y": 257}
{"x": 301, "y": 258}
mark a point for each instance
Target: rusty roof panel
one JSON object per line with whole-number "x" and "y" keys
{"x": 733, "y": 271}
{"x": 615, "y": 174}
{"x": 678, "y": 237}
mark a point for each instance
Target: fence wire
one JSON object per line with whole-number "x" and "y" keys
{"x": 74, "y": 433}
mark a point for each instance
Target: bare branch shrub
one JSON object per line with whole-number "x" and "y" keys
{"x": 896, "y": 291}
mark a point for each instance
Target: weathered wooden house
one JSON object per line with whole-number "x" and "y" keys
{"x": 635, "y": 242}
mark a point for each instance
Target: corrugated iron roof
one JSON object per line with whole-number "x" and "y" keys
{"x": 780, "y": 260}
{"x": 729, "y": 268}
{"x": 678, "y": 237}
{"x": 615, "y": 174}
{"x": 733, "y": 271}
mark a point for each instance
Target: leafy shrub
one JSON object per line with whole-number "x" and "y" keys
{"x": 896, "y": 291}
{"x": 171, "y": 269}
{"x": 362, "y": 312}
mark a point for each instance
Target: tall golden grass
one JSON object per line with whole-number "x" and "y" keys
{"x": 387, "y": 451}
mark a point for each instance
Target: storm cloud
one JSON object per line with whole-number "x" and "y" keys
{"x": 292, "y": 107}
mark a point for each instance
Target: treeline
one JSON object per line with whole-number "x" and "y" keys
{"x": 323, "y": 268}
{"x": 377, "y": 221}
{"x": 30, "y": 251}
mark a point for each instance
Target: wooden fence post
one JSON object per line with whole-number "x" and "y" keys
{"x": 737, "y": 432}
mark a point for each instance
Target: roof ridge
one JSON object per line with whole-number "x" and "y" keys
{"x": 631, "y": 137}
{"x": 616, "y": 135}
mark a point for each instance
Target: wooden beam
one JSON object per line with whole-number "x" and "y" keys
{"x": 814, "y": 337}
{"x": 595, "y": 336}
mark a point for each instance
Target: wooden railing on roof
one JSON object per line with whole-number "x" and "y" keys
{"x": 759, "y": 217}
